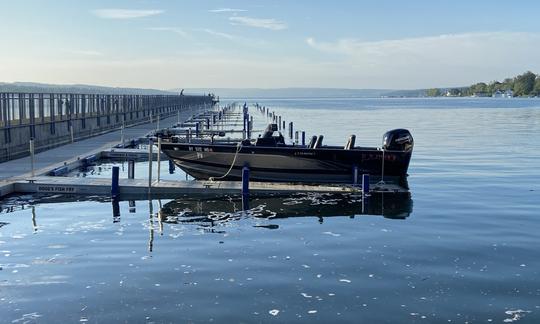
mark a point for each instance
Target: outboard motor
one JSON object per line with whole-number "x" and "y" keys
{"x": 398, "y": 140}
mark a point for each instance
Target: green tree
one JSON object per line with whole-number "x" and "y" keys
{"x": 495, "y": 86}
{"x": 434, "y": 92}
{"x": 508, "y": 84}
{"x": 480, "y": 87}
{"x": 536, "y": 89}
{"x": 524, "y": 84}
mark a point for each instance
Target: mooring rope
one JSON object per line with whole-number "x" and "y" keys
{"x": 238, "y": 148}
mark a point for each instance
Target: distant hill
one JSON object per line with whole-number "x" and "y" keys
{"x": 292, "y": 92}
{"x": 29, "y": 87}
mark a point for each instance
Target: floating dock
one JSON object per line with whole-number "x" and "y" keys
{"x": 47, "y": 177}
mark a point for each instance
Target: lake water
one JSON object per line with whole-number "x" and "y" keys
{"x": 464, "y": 248}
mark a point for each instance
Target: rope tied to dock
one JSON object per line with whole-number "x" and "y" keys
{"x": 238, "y": 148}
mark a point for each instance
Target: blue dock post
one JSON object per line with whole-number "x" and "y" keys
{"x": 365, "y": 184}
{"x": 291, "y": 130}
{"x": 245, "y": 188}
{"x": 303, "y": 138}
{"x": 171, "y": 167}
{"x": 131, "y": 169}
{"x": 284, "y": 125}
{"x": 115, "y": 187}
{"x": 355, "y": 175}
{"x": 279, "y": 122}
{"x": 207, "y": 123}
{"x": 197, "y": 130}
{"x": 245, "y": 180}
{"x": 244, "y": 126}
{"x": 213, "y": 119}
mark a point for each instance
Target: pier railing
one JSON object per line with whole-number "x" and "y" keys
{"x": 53, "y": 119}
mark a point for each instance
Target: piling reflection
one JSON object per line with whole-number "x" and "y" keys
{"x": 208, "y": 212}
{"x": 151, "y": 226}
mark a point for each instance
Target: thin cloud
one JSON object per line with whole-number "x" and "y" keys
{"x": 176, "y": 30}
{"x": 440, "y": 44}
{"x": 220, "y": 34}
{"x": 227, "y": 10}
{"x": 449, "y": 59}
{"x": 266, "y": 23}
{"x": 125, "y": 13}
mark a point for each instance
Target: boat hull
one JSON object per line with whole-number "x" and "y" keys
{"x": 286, "y": 164}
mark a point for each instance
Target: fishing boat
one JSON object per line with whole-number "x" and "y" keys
{"x": 269, "y": 158}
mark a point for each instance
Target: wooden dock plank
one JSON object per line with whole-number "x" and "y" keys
{"x": 99, "y": 186}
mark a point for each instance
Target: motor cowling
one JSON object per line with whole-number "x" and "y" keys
{"x": 398, "y": 140}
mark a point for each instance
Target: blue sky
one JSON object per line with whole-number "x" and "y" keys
{"x": 268, "y": 44}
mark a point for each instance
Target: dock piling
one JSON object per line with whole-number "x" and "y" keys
{"x": 355, "y": 175}
{"x": 171, "y": 167}
{"x": 122, "y": 134}
{"x": 115, "y": 187}
{"x": 32, "y": 156}
{"x": 150, "y": 158}
{"x": 131, "y": 169}
{"x": 291, "y": 130}
{"x": 365, "y": 184}
{"x": 245, "y": 187}
{"x": 159, "y": 159}
{"x": 303, "y": 138}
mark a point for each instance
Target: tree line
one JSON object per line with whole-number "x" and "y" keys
{"x": 523, "y": 85}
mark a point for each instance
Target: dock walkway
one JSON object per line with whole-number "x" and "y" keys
{"x": 57, "y": 156}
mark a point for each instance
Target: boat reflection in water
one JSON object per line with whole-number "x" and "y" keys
{"x": 208, "y": 212}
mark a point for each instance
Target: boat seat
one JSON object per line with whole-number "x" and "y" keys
{"x": 318, "y": 143}
{"x": 312, "y": 142}
{"x": 350, "y": 142}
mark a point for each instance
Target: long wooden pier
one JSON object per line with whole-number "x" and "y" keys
{"x": 53, "y": 119}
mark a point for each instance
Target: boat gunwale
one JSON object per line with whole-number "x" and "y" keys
{"x": 286, "y": 147}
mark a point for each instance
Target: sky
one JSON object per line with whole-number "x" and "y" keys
{"x": 268, "y": 44}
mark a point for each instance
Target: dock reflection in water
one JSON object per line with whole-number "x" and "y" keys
{"x": 208, "y": 212}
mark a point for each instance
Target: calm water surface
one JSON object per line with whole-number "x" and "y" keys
{"x": 463, "y": 249}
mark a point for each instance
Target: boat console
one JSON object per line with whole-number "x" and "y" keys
{"x": 269, "y": 139}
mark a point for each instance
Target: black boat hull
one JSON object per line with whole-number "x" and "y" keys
{"x": 287, "y": 163}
